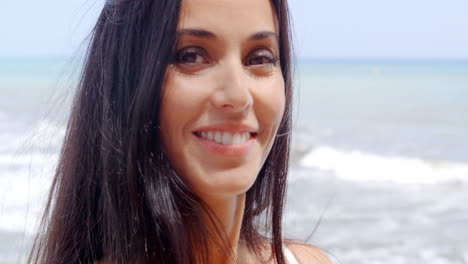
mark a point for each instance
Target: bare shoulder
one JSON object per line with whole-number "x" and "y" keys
{"x": 307, "y": 254}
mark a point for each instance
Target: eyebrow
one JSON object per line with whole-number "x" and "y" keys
{"x": 200, "y": 33}
{"x": 263, "y": 35}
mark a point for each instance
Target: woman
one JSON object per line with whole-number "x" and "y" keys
{"x": 177, "y": 147}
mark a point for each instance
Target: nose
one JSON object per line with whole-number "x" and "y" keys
{"x": 232, "y": 92}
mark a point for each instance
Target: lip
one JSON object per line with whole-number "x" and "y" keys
{"x": 228, "y": 127}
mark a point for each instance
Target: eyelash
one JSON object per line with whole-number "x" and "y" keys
{"x": 198, "y": 51}
{"x": 271, "y": 59}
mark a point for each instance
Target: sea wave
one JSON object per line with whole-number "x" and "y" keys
{"x": 27, "y": 163}
{"x": 356, "y": 165}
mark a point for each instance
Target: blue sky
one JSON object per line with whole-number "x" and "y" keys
{"x": 426, "y": 29}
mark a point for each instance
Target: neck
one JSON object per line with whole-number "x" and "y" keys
{"x": 230, "y": 212}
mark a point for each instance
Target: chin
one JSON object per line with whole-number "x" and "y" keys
{"x": 226, "y": 183}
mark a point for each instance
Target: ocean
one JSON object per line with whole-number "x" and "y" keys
{"x": 379, "y": 166}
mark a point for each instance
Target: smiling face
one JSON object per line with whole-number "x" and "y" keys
{"x": 223, "y": 95}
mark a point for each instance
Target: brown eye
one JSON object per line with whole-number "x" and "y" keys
{"x": 191, "y": 55}
{"x": 259, "y": 60}
{"x": 261, "y": 57}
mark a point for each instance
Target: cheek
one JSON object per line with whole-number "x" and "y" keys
{"x": 271, "y": 105}
{"x": 173, "y": 116}
{"x": 182, "y": 101}
{"x": 182, "y": 104}
{"x": 270, "y": 111}
{"x": 280, "y": 98}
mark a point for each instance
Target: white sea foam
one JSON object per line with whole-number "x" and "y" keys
{"x": 27, "y": 164}
{"x": 23, "y": 188}
{"x": 368, "y": 167}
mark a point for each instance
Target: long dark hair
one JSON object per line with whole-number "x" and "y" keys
{"x": 114, "y": 195}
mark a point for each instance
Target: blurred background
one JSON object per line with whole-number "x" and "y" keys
{"x": 380, "y": 156}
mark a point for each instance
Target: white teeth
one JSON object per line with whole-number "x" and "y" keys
{"x": 236, "y": 139}
{"x": 218, "y": 137}
{"x": 245, "y": 136}
{"x": 210, "y": 135}
{"x": 226, "y": 138}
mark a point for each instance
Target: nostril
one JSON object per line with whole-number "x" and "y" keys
{"x": 228, "y": 105}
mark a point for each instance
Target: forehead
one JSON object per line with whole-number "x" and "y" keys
{"x": 228, "y": 16}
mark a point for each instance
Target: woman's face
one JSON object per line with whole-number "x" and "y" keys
{"x": 223, "y": 95}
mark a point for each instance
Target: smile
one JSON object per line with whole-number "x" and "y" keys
{"x": 225, "y": 143}
{"x": 225, "y": 138}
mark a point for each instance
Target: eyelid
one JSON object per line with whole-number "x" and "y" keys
{"x": 262, "y": 48}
